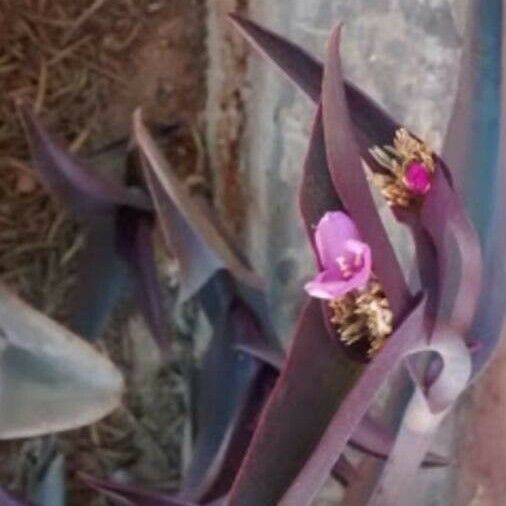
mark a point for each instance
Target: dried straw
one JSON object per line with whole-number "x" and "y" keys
{"x": 67, "y": 58}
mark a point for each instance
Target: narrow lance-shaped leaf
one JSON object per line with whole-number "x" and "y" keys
{"x": 201, "y": 251}
{"x": 102, "y": 277}
{"x": 101, "y": 273}
{"x": 350, "y": 180}
{"x": 353, "y": 408}
{"x": 237, "y": 371}
{"x": 297, "y": 412}
{"x": 474, "y": 146}
{"x": 373, "y": 125}
{"x": 79, "y": 188}
{"x": 114, "y": 214}
{"x": 273, "y": 460}
{"x": 135, "y": 244}
{"x": 228, "y": 378}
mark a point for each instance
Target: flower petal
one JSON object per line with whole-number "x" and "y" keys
{"x": 332, "y": 232}
{"x": 326, "y": 285}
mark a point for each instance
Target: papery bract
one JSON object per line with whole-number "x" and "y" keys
{"x": 344, "y": 258}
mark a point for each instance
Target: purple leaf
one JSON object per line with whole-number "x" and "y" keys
{"x": 115, "y": 213}
{"x": 305, "y": 71}
{"x": 134, "y": 231}
{"x": 234, "y": 386}
{"x": 373, "y": 439}
{"x": 353, "y": 408}
{"x": 317, "y": 194}
{"x": 425, "y": 411}
{"x": 373, "y": 125}
{"x": 81, "y": 190}
{"x": 298, "y": 65}
{"x": 350, "y": 181}
{"x": 444, "y": 218}
{"x": 102, "y": 277}
{"x": 190, "y": 234}
{"x": 475, "y": 137}
{"x": 297, "y": 412}
{"x": 238, "y": 370}
{"x": 302, "y": 411}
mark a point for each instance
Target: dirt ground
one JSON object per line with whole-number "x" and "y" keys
{"x": 85, "y": 66}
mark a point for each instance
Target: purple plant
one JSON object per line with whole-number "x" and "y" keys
{"x": 349, "y": 127}
{"x": 272, "y": 429}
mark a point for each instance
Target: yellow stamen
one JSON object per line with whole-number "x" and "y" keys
{"x": 363, "y": 314}
{"x": 395, "y": 159}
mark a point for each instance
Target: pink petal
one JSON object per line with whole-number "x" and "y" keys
{"x": 332, "y": 232}
{"x": 329, "y": 285}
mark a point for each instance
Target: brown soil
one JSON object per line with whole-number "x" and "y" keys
{"x": 85, "y": 66}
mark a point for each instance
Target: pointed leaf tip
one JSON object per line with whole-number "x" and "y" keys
{"x": 189, "y": 231}
{"x": 350, "y": 181}
{"x": 82, "y": 190}
{"x": 297, "y": 64}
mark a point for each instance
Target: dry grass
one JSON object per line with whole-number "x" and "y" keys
{"x": 66, "y": 58}
{"x": 76, "y": 61}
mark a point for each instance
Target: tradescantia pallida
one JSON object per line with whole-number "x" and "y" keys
{"x": 439, "y": 315}
{"x": 363, "y": 318}
{"x": 243, "y": 359}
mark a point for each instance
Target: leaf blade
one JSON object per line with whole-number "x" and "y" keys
{"x": 51, "y": 380}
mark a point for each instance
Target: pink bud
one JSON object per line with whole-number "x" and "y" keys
{"x": 417, "y": 178}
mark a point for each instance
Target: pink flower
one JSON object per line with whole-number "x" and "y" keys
{"x": 418, "y": 178}
{"x": 345, "y": 259}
